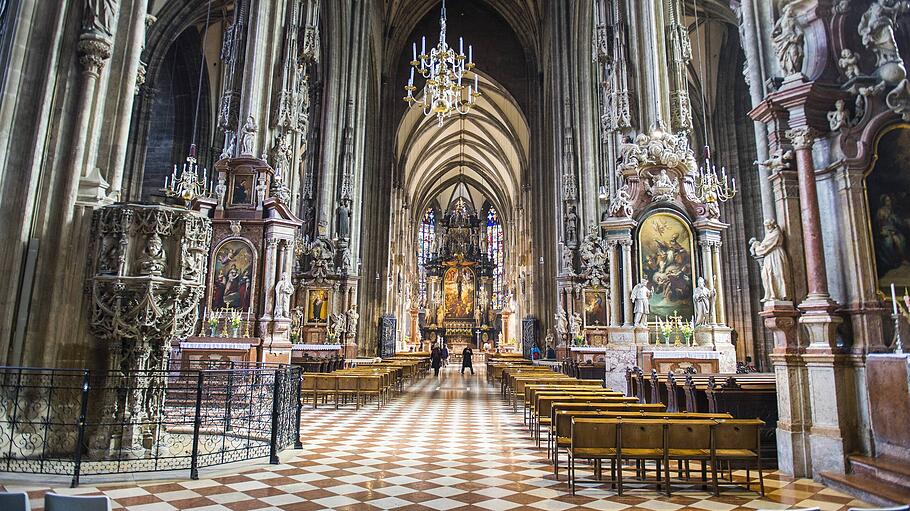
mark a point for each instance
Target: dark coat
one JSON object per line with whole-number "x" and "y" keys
{"x": 466, "y": 356}
{"x": 436, "y": 358}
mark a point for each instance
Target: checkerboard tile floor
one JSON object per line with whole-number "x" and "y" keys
{"x": 446, "y": 444}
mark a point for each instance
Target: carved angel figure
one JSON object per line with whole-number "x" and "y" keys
{"x": 788, "y": 42}
{"x": 849, "y": 63}
{"x": 775, "y": 263}
{"x": 837, "y": 118}
{"x": 621, "y": 203}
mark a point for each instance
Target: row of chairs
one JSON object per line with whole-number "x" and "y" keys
{"x": 18, "y": 501}
{"x": 554, "y": 402}
{"x": 708, "y": 442}
{"x": 361, "y": 384}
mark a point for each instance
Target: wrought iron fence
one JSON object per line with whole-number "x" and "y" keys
{"x": 78, "y": 422}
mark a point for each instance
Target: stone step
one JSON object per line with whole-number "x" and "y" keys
{"x": 868, "y": 489}
{"x": 887, "y": 468}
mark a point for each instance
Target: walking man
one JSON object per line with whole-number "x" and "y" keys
{"x": 466, "y": 361}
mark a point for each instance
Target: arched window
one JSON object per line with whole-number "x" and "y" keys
{"x": 425, "y": 236}
{"x": 496, "y": 254}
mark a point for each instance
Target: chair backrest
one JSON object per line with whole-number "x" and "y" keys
{"x": 54, "y": 502}
{"x": 897, "y": 508}
{"x": 737, "y": 434}
{"x": 14, "y": 501}
{"x": 348, "y": 382}
{"x": 593, "y": 433}
{"x": 642, "y": 433}
{"x": 689, "y": 434}
{"x": 326, "y": 382}
{"x": 308, "y": 381}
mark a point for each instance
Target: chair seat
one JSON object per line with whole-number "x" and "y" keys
{"x": 593, "y": 452}
{"x": 544, "y": 420}
{"x": 642, "y": 453}
{"x": 735, "y": 453}
{"x": 689, "y": 453}
{"x": 563, "y": 441}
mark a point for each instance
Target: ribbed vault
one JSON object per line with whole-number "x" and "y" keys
{"x": 486, "y": 149}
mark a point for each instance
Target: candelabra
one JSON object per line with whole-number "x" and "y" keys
{"x": 443, "y": 69}
{"x": 187, "y": 184}
{"x": 709, "y": 187}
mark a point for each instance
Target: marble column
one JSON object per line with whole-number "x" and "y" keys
{"x": 721, "y": 303}
{"x": 626, "y": 247}
{"x": 615, "y": 290}
{"x": 707, "y": 272}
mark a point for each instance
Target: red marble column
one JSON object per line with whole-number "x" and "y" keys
{"x": 816, "y": 273}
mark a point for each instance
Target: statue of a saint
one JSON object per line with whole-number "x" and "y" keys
{"x": 775, "y": 264}
{"x": 568, "y": 259}
{"x": 352, "y": 317}
{"x": 284, "y": 289}
{"x": 343, "y": 221}
{"x": 788, "y": 42}
{"x": 153, "y": 257}
{"x": 575, "y": 324}
{"x": 641, "y": 303}
{"x": 440, "y": 314}
{"x": 337, "y": 327}
{"x": 562, "y": 323}
{"x": 478, "y": 316}
{"x": 876, "y": 28}
{"x": 704, "y": 300}
{"x": 571, "y": 224}
{"x": 247, "y": 136}
{"x": 98, "y": 16}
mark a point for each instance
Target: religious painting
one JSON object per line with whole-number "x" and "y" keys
{"x": 232, "y": 275}
{"x": 595, "y": 304}
{"x": 888, "y": 188}
{"x": 242, "y": 191}
{"x": 665, "y": 254}
{"x": 317, "y": 306}
{"x": 458, "y": 286}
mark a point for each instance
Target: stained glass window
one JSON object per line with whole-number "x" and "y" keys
{"x": 425, "y": 236}
{"x": 496, "y": 254}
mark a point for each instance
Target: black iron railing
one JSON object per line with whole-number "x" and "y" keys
{"x": 79, "y": 423}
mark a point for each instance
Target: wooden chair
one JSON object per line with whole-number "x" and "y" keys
{"x": 596, "y": 440}
{"x": 326, "y": 386}
{"x": 643, "y": 440}
{"x": 688, "y": 440}
{"x": 372, "y": 386}
{"x": 348, "y": 387}
{"x": 54, "y": 502}
{"x": 14, "y": 501}
{"x": 308, "y": 388}
{"x": 737, "y": 440}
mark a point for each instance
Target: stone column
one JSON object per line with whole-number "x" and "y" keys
{"x": 707, "y": 272}
{"x": 267, "y": 298}
{"x": 626, "y": 247}
{"x": 615, "y": 290}
{"x": 721, "y": 303}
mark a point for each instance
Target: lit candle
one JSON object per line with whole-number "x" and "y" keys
{"x": 470, "y": 53}
{"x": 460, "y": 46}
{"x": 475, "y": 82}
{"x": 423, "y": 45}
{"x": 893, "y": 299}
{"x": 411, "y": 80}
{"x": 414, "y": 47}
{"x": 165, "y": 182}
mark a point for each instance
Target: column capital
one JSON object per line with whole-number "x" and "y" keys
{"x": 802, "y": 137}
{"x": 94, "y": 50}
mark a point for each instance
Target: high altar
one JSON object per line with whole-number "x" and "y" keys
{"x": 645, "y": 287}
{"x": 459, "y": 285}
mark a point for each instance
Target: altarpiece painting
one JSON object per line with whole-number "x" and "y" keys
{"x": 888, "y": 188}
{"x": 317, "y": 306}
{"x": 595, "y": 305}
{"x": 232, "y": 275}
{"x": 458, "y": 286}
{"x": 665, "y": 250}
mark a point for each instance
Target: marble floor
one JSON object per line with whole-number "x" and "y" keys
{"x": 446, "y": 444}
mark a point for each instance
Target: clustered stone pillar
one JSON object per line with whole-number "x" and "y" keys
{"x": 615, "y": 292}
{"x": 627, "y": 284}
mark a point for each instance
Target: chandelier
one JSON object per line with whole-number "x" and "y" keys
{"x": 187, "y": 184}
{"x": 443, "y": 69}
{"x": 711, "y": 187}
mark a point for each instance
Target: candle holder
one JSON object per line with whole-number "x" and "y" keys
{"x": 901, "y": 328}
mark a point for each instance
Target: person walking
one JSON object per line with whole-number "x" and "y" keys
{"x": 445, "y": 355}
{"x": 436, "y": 360}
{"x": 466, "y": 361}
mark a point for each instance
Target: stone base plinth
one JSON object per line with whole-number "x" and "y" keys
{"x": 616, "y": 359}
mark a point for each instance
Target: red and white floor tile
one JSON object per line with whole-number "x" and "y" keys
{"x": 445, "y": 444}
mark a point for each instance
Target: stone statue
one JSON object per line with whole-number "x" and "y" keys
{"x": 837, "y": 118}
{"x": 876, "y": 28}
{"x": 478, "y": 316}
{"x": 352, "y": 317}
{"x": 704, "y": 299}
{"x": 788, "y": 41}
{"x": 775, "y": 264}
{"x": 641, "y": 303}
{"x": 248, "y": 136}
{"x": 153, "y": 257}
{"x": 575, "y": 324}
{"x": 98, "y": 16}
{"x": 568, "y": 259}
{"x": 849, "y": 63}
{"x": 284, "y": 289}
{"x": 230, "y": 144}
{"x": 337, "y": 327}
{"x": 343, "y": 221}
{"x": 621, "y": 203}
{"x": 562, "y": 323}
{"x": 663, "y": 188}
{"x": 571, "y": 223}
